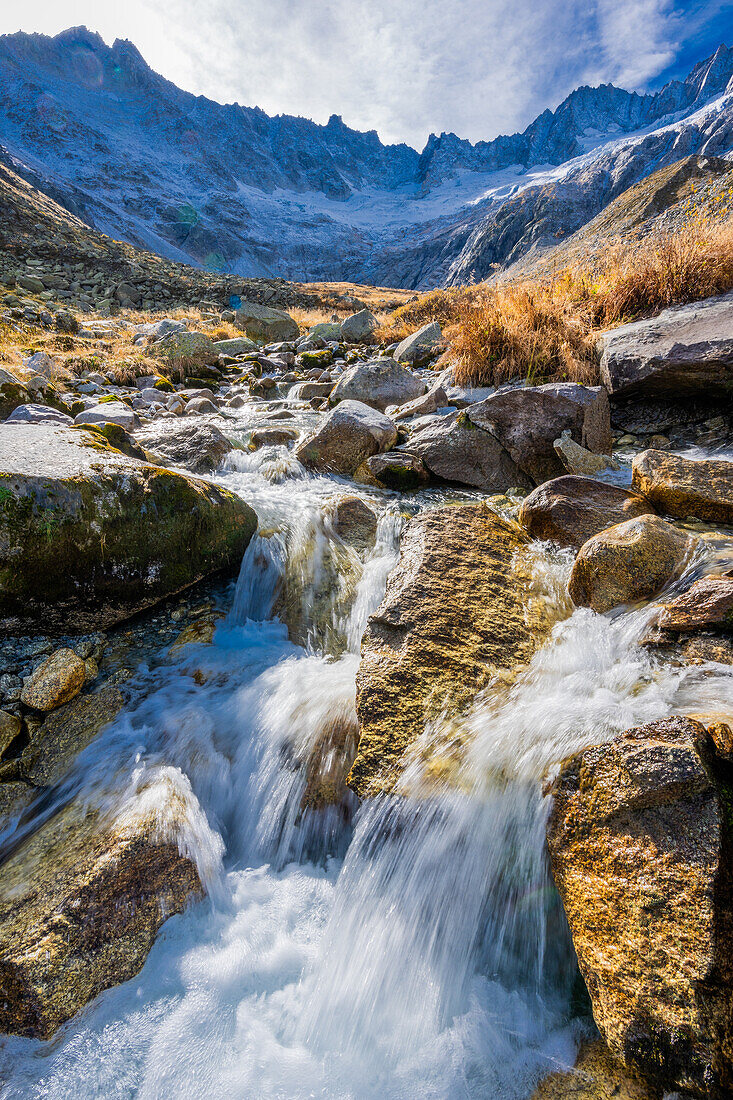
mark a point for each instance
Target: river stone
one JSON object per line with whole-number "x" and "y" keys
{"x": 706, "y": 605}
{"x": 195, "y": 446}
{"x": 379, "y": 383}
{"x": 640, "y": 845}
{"x": 57, "y": 680}
{"x": 354, "y": 522}
{"x": 359, "y": 327}
{"x": 110, "y": 412}
{"x": 38, "y": 414}
{"x": 454, "y": 449}
{"x": 89, "y": 536}
{"x": 596, "y": 1075}
{"x": 422, "y": 406}
{"x": 421, "y": 346}
{"x": 687, "y": 350}
{"x": 200, "y": 406}
{"x": 570, "y": 509}
{"x": 65, "y": 733}
{"x": 311, "y": 391}
{"x": 454, "y": 617}
{"x": 81, "y": 902}
{"x": 265, "y": 324}
{"x": 393, "y": 470}
{"x": 631, "y": 561}
{"x": 185, "y": 350}
{"x": 272, "y": 437}
{"x": 10, "y": 727}
{"x": 683, "y": 487}
{"x": 527, "y": 420}
{"x": 579, "y": 460}
{"x": 348, "y": 435}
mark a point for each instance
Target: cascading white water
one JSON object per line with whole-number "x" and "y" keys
{"x": 416, "y": 951}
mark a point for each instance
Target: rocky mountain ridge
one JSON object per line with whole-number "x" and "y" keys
{"x": 229, "y": 188}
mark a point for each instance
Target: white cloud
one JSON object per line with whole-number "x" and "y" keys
{"x": 402, "y": 67}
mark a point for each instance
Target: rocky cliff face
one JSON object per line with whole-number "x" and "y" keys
{"x": 229, "y": 188}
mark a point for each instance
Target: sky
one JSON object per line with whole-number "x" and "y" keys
{"x": 406, "y": 68}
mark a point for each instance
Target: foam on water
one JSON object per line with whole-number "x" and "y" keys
{"x": 414, "y": 950}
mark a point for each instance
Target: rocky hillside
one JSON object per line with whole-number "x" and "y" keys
{"x": 231, "y": 189}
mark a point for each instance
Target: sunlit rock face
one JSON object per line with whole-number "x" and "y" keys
{"x": 229, "y": 188}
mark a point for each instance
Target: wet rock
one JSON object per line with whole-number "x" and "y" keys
{"x": 454, "y": 618}
{"x": 265, "y": 324}
{"x": 65, "y": 733}
{"x": 579, "y": 460}
{"x": 309, "y": 391}
{"x": 454, "y": 449}
{"x": 359, "y": 327}
{"x": 706, "y": 605}
{"x": 378, "y": 383}
{"x": 81, "y": 902}
{"x": 631, "y": 561}
{"x": 185, "y": 351}
{"x": 355, "y": 522}
{"x": 394, "y": 470}
{"x": 570, "y": 509}
{"x": 198, "y": 447}
{"x": 348, "y": 435}
{"x": 89, "y": 536}
{"x": 685, "y": 350}
{"x": 420, "y": 347}
{"x": 272, "y": 437}
{"x": 597, "y": 1075}
{"x": 10, "y": 727}
{"x": 640, "y": 845}
{"x": 683, "y": 487}
{"x": 57, "y": 680}
{"x": 526, "y": 422}
{"x": 38, "y": 414}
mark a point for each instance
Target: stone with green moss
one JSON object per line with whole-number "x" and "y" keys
{"x": 90, "y": 536}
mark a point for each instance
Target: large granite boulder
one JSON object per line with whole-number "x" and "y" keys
{"x": 185, "y": 351}
{"x": 420, "y": 346}
{"x": 683, "y": 487}
{"x": 265, "y": 324}
{"x": 379, "y": 383}
{"x": 687, "y": 350}
{"x": 196, "y": 446}
{"x": 631, "y": 561}
{"x": 570, "y": 509}
{"x": 455, "y": 616}
{"x": 348, "y": 435}
{"x": 89, "y": 536}
{"x": 527, "y": 420}
{"x": 359, "y": 327}
{"x": 454, "y": 449}
{"x": 640, "y": 845}
{"x": 110, "y": 412}
{"x": 81, "y": 901}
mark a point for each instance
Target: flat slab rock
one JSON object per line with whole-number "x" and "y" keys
{"x": 687, "y": 349}
{"x": 81, "y": 902}
{"x": 89, "y": 536}
{"x": 454, "y": 617}
{"x": 640, "y": 846}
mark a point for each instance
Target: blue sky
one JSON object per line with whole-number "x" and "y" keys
{"x": 403, "y": 67}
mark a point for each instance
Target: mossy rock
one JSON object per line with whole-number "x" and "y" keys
{"x": 116, "y": 437}
{"x": 90, "y": 536}
{"x": 164, "y": 385}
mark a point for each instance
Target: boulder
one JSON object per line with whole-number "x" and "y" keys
{"x": 13, "y": 392}
{"x": 422, "y": 406}
{"x": 527, "y": 420}
{"x": 111, "y": 412}
{"x": 570, "y": 509}
{"x": 454, "y": 449}
{"x": 640, "y": 845}
{"x": 89, "y": 536}
{"x": 421, "y": 346}
{"x": 706, "y": 605}
{"x": 687, "y": 350}
{"x": 38, "y": 414}
{"x": 354, "y": 522}
{"x": 683, "y": 487}
{"x": 10, "y": 727}
{"x": 311, "y": 391}
{"x": 184, "y": 351}
{"x": 198, "y": 447}
{"x": 272, "y": 437}
{"x": 359, "y": 327}
{"x": 394, "y": 470}
{"x": 265, "y": 324}
{"x": 596, "y": 1075}
{"x": 379, "y": 383}
{"x": 81, "y": 901}
{"x": 324, "y": 330}
{"x": 160, "y": 328}
{"x": 454, "y": 617}
{"x": 201, "y": 406}
{"x": 348, "y": 435}
{"x": 56, "y": 680}
{"x": 239, "y": 345}
{"x": 631, "y": 561}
